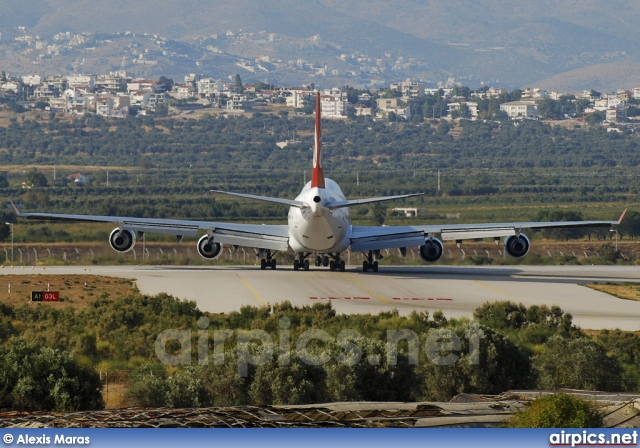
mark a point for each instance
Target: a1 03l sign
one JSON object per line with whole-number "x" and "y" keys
{"x": 45, "y": 296}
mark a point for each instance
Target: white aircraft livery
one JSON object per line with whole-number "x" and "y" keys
{"x": 319, "y": 227}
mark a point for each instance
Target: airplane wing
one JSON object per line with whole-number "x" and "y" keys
{"x": 365, "y": 238}
{"x": 349, "y": 203}
{"x": 273, "y": 237}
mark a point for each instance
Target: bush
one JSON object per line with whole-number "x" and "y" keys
{"x": 577, "y": 364}
{"x": 559, "y": 411}
{"x": 494, "y": 366}
{"x": 35, "y": 378}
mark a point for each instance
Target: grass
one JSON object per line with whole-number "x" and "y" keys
{"x": 626, "y": 291}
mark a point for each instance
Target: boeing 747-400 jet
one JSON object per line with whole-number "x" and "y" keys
{"x": 319, "y": 227}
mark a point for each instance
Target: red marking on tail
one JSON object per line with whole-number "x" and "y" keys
{"x": 317, "y": 175}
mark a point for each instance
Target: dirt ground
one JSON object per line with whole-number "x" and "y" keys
{"x": 77, "y": 291}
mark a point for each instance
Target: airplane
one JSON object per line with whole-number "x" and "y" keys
{"x": 319, "y": 226}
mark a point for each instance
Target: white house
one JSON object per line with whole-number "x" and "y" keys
{"x": 520, "y": 109}
{"x": 78, "y": 178}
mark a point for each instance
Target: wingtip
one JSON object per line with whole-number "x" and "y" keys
{"x": 622, "y": 216}
{"x": 15, "y": 209}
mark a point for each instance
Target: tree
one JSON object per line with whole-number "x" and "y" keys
{"x": 4, "y": 183}
{"x": 630, "y": 225}
{"x": 238, "y": 84}
{"x": 379, "y": 213}
{"x": 35, "y": 178}
{"x": 561, "y": 215}
{"x": 167, "y": 83}
{"x": 576, "y": 364}
{"x": 558, "y": 411}
{"x": 5, "y": 231}
{"x": 594, "y": 118}
{"x": 549, "y": 109}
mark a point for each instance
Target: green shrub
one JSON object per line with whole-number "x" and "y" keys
{"x": 558, "y": 411}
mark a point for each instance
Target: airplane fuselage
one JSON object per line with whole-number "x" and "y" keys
{"x": 317, "y": 228}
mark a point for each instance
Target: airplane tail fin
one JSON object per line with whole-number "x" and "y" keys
{"x": 317, "y": 175}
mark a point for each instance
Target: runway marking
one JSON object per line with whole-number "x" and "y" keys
{"x": 421, "y": 298}
{"x": 253, "y": 291}
{"x": 339, "y": 298}
{"x": 375, "y": 295}
{"x": 491, "y": 288}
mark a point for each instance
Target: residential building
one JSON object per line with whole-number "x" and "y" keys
{"x": 520, "y": 109}
{"x": 393, "y": 105}
{"x": 333, "y": 106}
{"x": 140, "y": 98}
{"x": 145, "y": 84}
{"x": 46, "y": 90}
{"x": 184, "y": 92}
{"x": 409, "y": 89}
{"x": 86, "y": 83}
{"x": 113, "y": 82}
{"x": 208, "y": 87}
{"x": 112, "y": 105}
{"x": 616, "y": 114}
{"x": 237, "y": 102}
{"x": 297, "y": 97}
{"x": 78, "y": 178}
{"x": 473, "y": 107}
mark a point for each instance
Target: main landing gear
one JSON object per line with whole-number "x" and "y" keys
{"x": 370, "y": 264}
{"x": 301, "y": 262}
{"x": 333, "y": 261}
{"x": 266, "y": 259}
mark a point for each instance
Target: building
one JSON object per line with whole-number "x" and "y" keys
{"x": 113, "y": 82}
{"x": 396, "y": 106}
{"x": 208, "y": 87}
{"x": 473, "y": 107}
{"x": 297, "y": 98}
{"x": 78, "y": 178}
{"x": 409, "y": 89}
{"x": 184, "y": 92}
{"x": 86, "y": 83}
{"x": 112, "y": 105}
{"x": 520, "y": 109}
{"x": 333, "y": 106}
{"x": 237, "y": 102}
{"x": 616, "y": 114}
{"x": 145, "y": 84}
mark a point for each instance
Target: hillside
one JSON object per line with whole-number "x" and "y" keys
{"x": 514, "y": 44}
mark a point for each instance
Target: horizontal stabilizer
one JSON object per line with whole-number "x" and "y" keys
{"x": 289, "y": 202}
{"x": 341, "y": 204}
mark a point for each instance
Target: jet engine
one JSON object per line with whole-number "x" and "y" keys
{"x": 208, "y": 249}
{"x": 122, "y": 241}
{"x": 517, "y": 245}
{"x": 432, "y": 250}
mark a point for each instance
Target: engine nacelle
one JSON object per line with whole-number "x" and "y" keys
{"x": 517, "y": 245}
{"x": 122, "y": 241}
{"x": 209, "y": 249}
{"x": 432, "y": 250}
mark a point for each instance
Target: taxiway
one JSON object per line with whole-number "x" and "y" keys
{"x": 456, "y": 291}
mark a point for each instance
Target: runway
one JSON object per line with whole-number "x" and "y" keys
{"x": 456, "y": 291}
